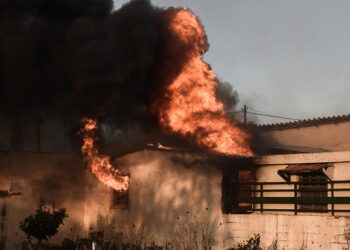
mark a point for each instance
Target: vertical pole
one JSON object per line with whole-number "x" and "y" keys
{"x": 261, "y": 196}
{"x": 332, "y": 194}
{"x": 245, "y": 114}
{"x": 295, "y": 198}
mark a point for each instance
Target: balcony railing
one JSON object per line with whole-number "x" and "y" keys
{"x": 334, "y": 196}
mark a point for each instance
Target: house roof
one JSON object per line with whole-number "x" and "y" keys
{"x": 194, "y": 152}
{"x": 306, "y": 123}
{"x": 155, "y": 147}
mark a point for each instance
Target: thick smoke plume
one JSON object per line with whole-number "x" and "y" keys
{"x": 77, "y": 58}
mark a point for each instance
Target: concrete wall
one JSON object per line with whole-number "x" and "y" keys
{"x": 331, "y": 137}
{"x": 289, "y": 231}
{"x": 325, "y": 157}
{"x": 172, "y": 196}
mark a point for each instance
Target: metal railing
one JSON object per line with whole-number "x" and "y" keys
{"x": 331, "y": 196}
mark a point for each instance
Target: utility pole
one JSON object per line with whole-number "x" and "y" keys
{"x": 245, "y": 114}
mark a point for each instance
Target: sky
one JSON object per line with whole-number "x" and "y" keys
{"x": 285, "y": 58}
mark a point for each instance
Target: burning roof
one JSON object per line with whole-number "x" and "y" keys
{"x": 188, "y": 105}
{"x": 139, "y": 68}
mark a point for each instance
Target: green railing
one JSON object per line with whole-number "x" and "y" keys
{"x": 333, "y": 196}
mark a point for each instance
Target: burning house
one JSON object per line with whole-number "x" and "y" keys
{"x": 174, "y": 196}
{"x": 171, "y": 194}
{"x": 156, "y": 156}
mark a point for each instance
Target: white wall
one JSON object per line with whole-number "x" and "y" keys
{"x": 331, "y": 137}
{"x": 169, "y": 192}
{"x": 289, "y": 231}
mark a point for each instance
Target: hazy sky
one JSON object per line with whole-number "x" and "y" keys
{"x": 288, "y": 58}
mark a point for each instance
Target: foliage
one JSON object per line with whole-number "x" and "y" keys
{"x": 189, "y": 232}
{"x": 273, "y": 245}
{"x": 43, "y": 223}
{"x": 252, "y": 244}
{"x": 194, "y": 232}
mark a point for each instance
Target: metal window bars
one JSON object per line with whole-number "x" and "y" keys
{"x": 334, "y": 196}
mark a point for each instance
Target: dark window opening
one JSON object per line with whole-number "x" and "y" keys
{"x": 120, "y": 199}
{"x": 236, "y": 184}
{"x": 313, "y": 184}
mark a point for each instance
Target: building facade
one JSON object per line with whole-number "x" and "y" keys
{"x": 297, "y": 197}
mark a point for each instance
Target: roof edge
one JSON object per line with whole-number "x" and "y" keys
{"x": 306, "y": 122}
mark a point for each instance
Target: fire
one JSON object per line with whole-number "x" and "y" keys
{"x": 193, "y": 108}
{"x": 100, "y": 164}
{"x": 159, "y": 145}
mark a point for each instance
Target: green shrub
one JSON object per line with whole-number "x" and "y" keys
{"x": 43, "y": 223}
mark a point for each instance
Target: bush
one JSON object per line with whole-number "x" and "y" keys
{"x": 252, "y": 244}
{"x": 43, "y": 223}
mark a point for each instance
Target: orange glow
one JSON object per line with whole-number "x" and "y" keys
{"x": 159, "y": 145}
{"x": 163, "y": 147}
{"x": 100, "y": 164}
{"x": 193, "y": 108}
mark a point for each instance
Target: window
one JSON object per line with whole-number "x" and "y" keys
{"x": 120, "y": 199}
{"x": 313, "y": 185}
{"x": 234, "y": 188}
{"x": 245, "y": 190}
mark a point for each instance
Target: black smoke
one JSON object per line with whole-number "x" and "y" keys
{"x": 76, "y": 58}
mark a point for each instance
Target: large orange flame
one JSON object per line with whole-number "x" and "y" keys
{"x": 100, "y": 164}
{"x": 193, "y": 108}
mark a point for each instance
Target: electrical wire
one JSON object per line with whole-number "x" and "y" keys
{"x": 275, "y": 116}
{"x": 259, "y": 111}
{"x": 236, "y": 112}
{"x": 267, "y": 114}
{"x": 262, "y": 113}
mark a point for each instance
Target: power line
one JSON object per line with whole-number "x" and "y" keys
{"x": 259, "y": 111}
{"x": 262, "y": 113}
{"x": 267, "y": 114}
{"x": 275, "y": 116}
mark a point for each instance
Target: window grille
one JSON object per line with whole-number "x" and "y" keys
{"x": 120, "y": 199}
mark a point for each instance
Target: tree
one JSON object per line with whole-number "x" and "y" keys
{"x": 43, "y": 223}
